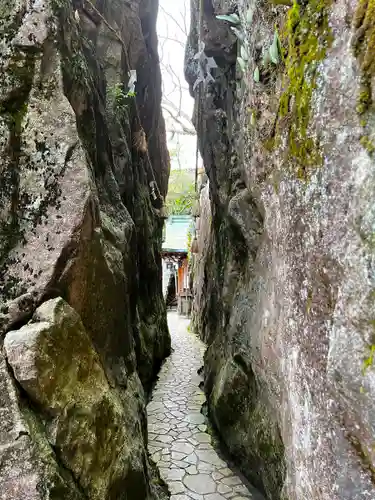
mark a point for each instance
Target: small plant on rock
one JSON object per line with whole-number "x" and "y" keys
{"x": 116, "y": 98}
{"x": 240, "y": 29}
{"x": 273, "y": 53}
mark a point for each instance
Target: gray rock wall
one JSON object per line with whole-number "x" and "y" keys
{"x": 82, "y": 317}
{"x": 285, "y": 272}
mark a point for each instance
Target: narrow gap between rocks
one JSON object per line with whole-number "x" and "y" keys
{"x": 179, "y": 439}
{"x": 264, "y": 238}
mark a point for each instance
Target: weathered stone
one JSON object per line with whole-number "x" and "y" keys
{"x": 214, "y": 496}
{"x": 185, "y": 448}
{"x": 164, "y": 438}
{"x": 195, "y": 418}
{"x": 231, "y": 481}
{"x": 53, "y": 360}
{"x": 217, "y": 475}
{"x": 78, "y": 221}
{"x": 28, "y": 462}
{"x": 200, "y": 483}
{"x": 284, "y": 275}
{"x": 176, "y": 487}
{"x": 192, "y": 469}
{"x": 177, "y": 455}
{"x": 202, "y": 437}
{"x": 206, "y": 467}
{"x": 191, "y": 459}
{"x": 172, "y": 474}
{"x": 210, "y": 456}
{"x": 223, "y": 488}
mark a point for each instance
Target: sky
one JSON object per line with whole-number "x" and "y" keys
{"x": 173, "y": 28}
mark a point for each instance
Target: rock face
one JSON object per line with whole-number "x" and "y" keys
{"x": 285, "y": 273}
{"x": 95, "y": 432}
{"x": 83, "y": 172}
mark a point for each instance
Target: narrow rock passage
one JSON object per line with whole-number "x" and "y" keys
{"x": 178, "y": 438}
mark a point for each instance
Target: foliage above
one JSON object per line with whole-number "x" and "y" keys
{"x": 181, "y": 192}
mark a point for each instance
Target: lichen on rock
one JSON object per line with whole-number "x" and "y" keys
{"x": 363, "y": 44}
{"x": 86, "y": 421}
{"x": 284, "y": 273}
{"x": 77, "y": 221}
{"x": 307, "y": 37}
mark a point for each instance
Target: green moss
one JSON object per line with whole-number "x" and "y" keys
{"x": 56, "y": 482}
{"x": 363, "y": 455}
{"x": 275, "y": 181}
{"x": 19, "y": 78}
{"x": 252, "y": 117}
{"x": 368, "y": 362}
{"x": 14, "y": 117}
{"x": 269, "y": 143}
{"x": 368, "y": 144}
{"x": 307, "y": 36}
{"x": 364, "y": 40}
{"x": 364, "y": 50}
{"x": 309, "y": 301}
{"x": 13, "y": 112}
{"x": 364, "y": 98}
{"x": 245, "y": 424}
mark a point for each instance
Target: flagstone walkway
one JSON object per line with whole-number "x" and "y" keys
{"x": 178, "y": 438}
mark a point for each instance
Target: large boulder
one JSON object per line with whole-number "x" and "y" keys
{"x": 29, "y": 467}
{"x": 94, "y": 430}
{"x": 285, "y": 273}
{"x": 83, "y": 172}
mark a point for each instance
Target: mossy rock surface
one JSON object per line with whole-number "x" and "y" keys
{"x": 285, "y": 301}
{"x": 77, "y": 222}
{"x": 55, "y": 363}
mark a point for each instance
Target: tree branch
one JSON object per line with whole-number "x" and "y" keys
{"x": 186, "y": 130}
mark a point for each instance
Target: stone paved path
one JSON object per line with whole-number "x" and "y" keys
{"x": 178, "y": 441}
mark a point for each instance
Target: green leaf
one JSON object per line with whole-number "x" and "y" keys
{"x": 231, "y": 18}
{"x": 242, "y": 64}
{"x": 249, "y": 15}
{"x": 252, "y": 118}
{"x": 266, "y": 58}
{"x": 239, "y": 34}
{"x": 256, "y": 75}
{"x": 244, "y": 53}
{"x": 274, "y": 49}
{"x": 181, "y": 191}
